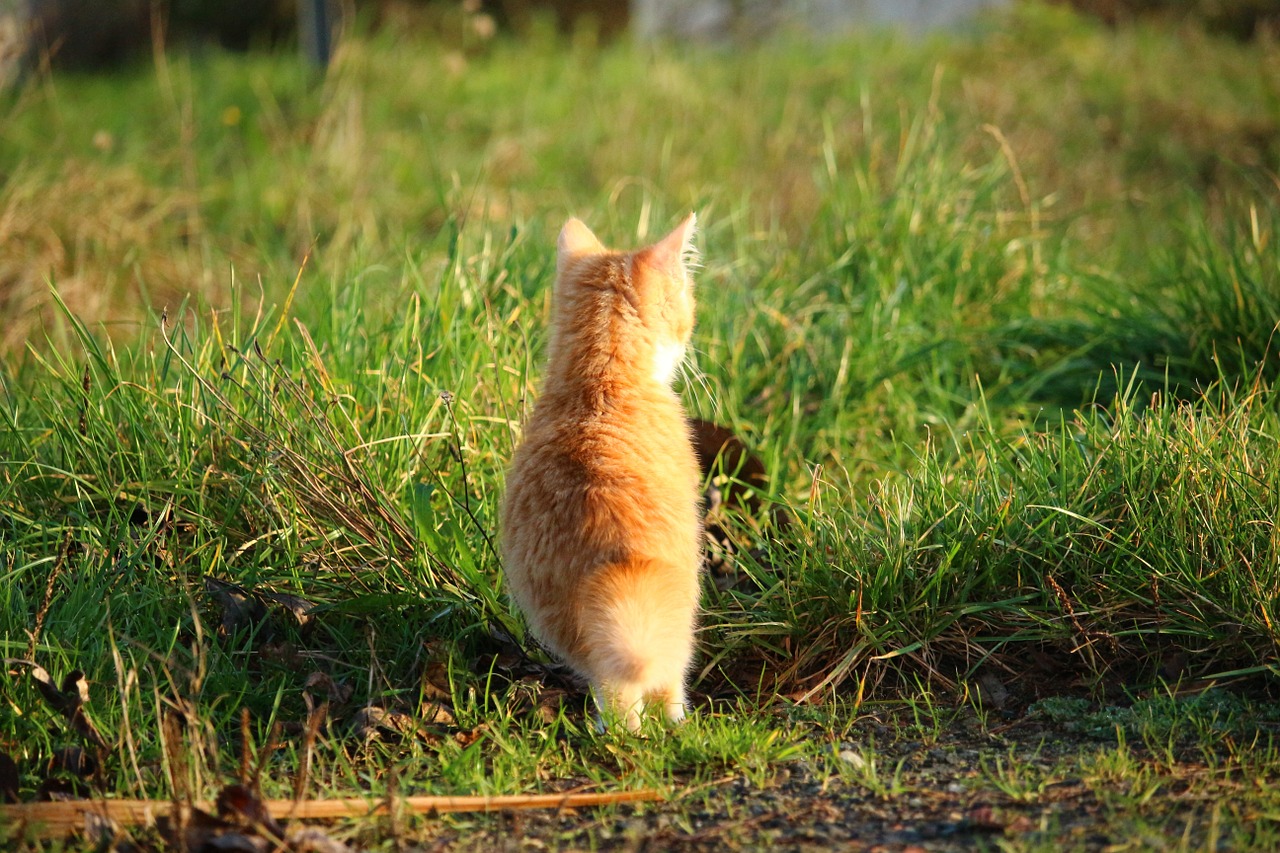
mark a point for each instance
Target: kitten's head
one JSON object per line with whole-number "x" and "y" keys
{"x": 636, "y": 307}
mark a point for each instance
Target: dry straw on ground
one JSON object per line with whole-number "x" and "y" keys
{"x": 108, "y": 241}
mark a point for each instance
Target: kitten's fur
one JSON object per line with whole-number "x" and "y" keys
{"x": 601, "y": 535}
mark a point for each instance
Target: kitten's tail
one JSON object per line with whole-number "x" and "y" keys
{"x": 637, "y": 629}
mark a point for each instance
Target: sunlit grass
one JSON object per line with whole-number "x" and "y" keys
{"x": 1010, "y": 367}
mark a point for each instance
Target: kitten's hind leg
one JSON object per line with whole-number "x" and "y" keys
{"x": 618, "y": 702}
{"x": 629, "y": 702}
{"x": 675, "y": 703}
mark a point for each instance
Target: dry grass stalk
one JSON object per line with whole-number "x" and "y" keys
{"x": 60, "y": 818}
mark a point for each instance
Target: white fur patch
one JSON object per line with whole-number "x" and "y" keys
{"x": 666, "y": 360}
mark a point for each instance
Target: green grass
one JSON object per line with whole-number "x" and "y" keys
{"x": 997, "y": 312}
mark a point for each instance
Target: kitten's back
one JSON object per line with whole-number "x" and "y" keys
{"x": 600, "y": 525}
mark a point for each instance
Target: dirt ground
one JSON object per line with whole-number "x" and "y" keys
{"x": 942, "y": 799}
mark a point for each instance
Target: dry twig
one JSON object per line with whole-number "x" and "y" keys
{"x": 60, "y": 818}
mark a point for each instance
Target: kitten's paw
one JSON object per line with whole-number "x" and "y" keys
{"x": 599, "y": 726}
{"x": 607, "y": 714}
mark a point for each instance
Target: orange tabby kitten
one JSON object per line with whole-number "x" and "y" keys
{"x": 601, "y": 534}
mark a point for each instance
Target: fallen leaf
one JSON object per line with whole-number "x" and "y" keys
{"x": 299, "y": 607}
{"x": 436, "y": 713}
{"x": 239, "y": 609}
{"x": 466, "y": 738}
{"x": 68, "y": 701}
{"x": 373, "y": 721}
{"x": 280, "y": 652}
{"x": 336, "y": 693}
{"x": 435, "y": 679}
{"x": 529, "y": 693}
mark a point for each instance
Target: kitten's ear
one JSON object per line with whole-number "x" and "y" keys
{"x": 576, "y": 239}
{"x": 674, "y": 252}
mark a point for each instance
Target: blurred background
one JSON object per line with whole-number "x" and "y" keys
{"x": 153, "y": 150}
{"x": 98, "y": 33}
